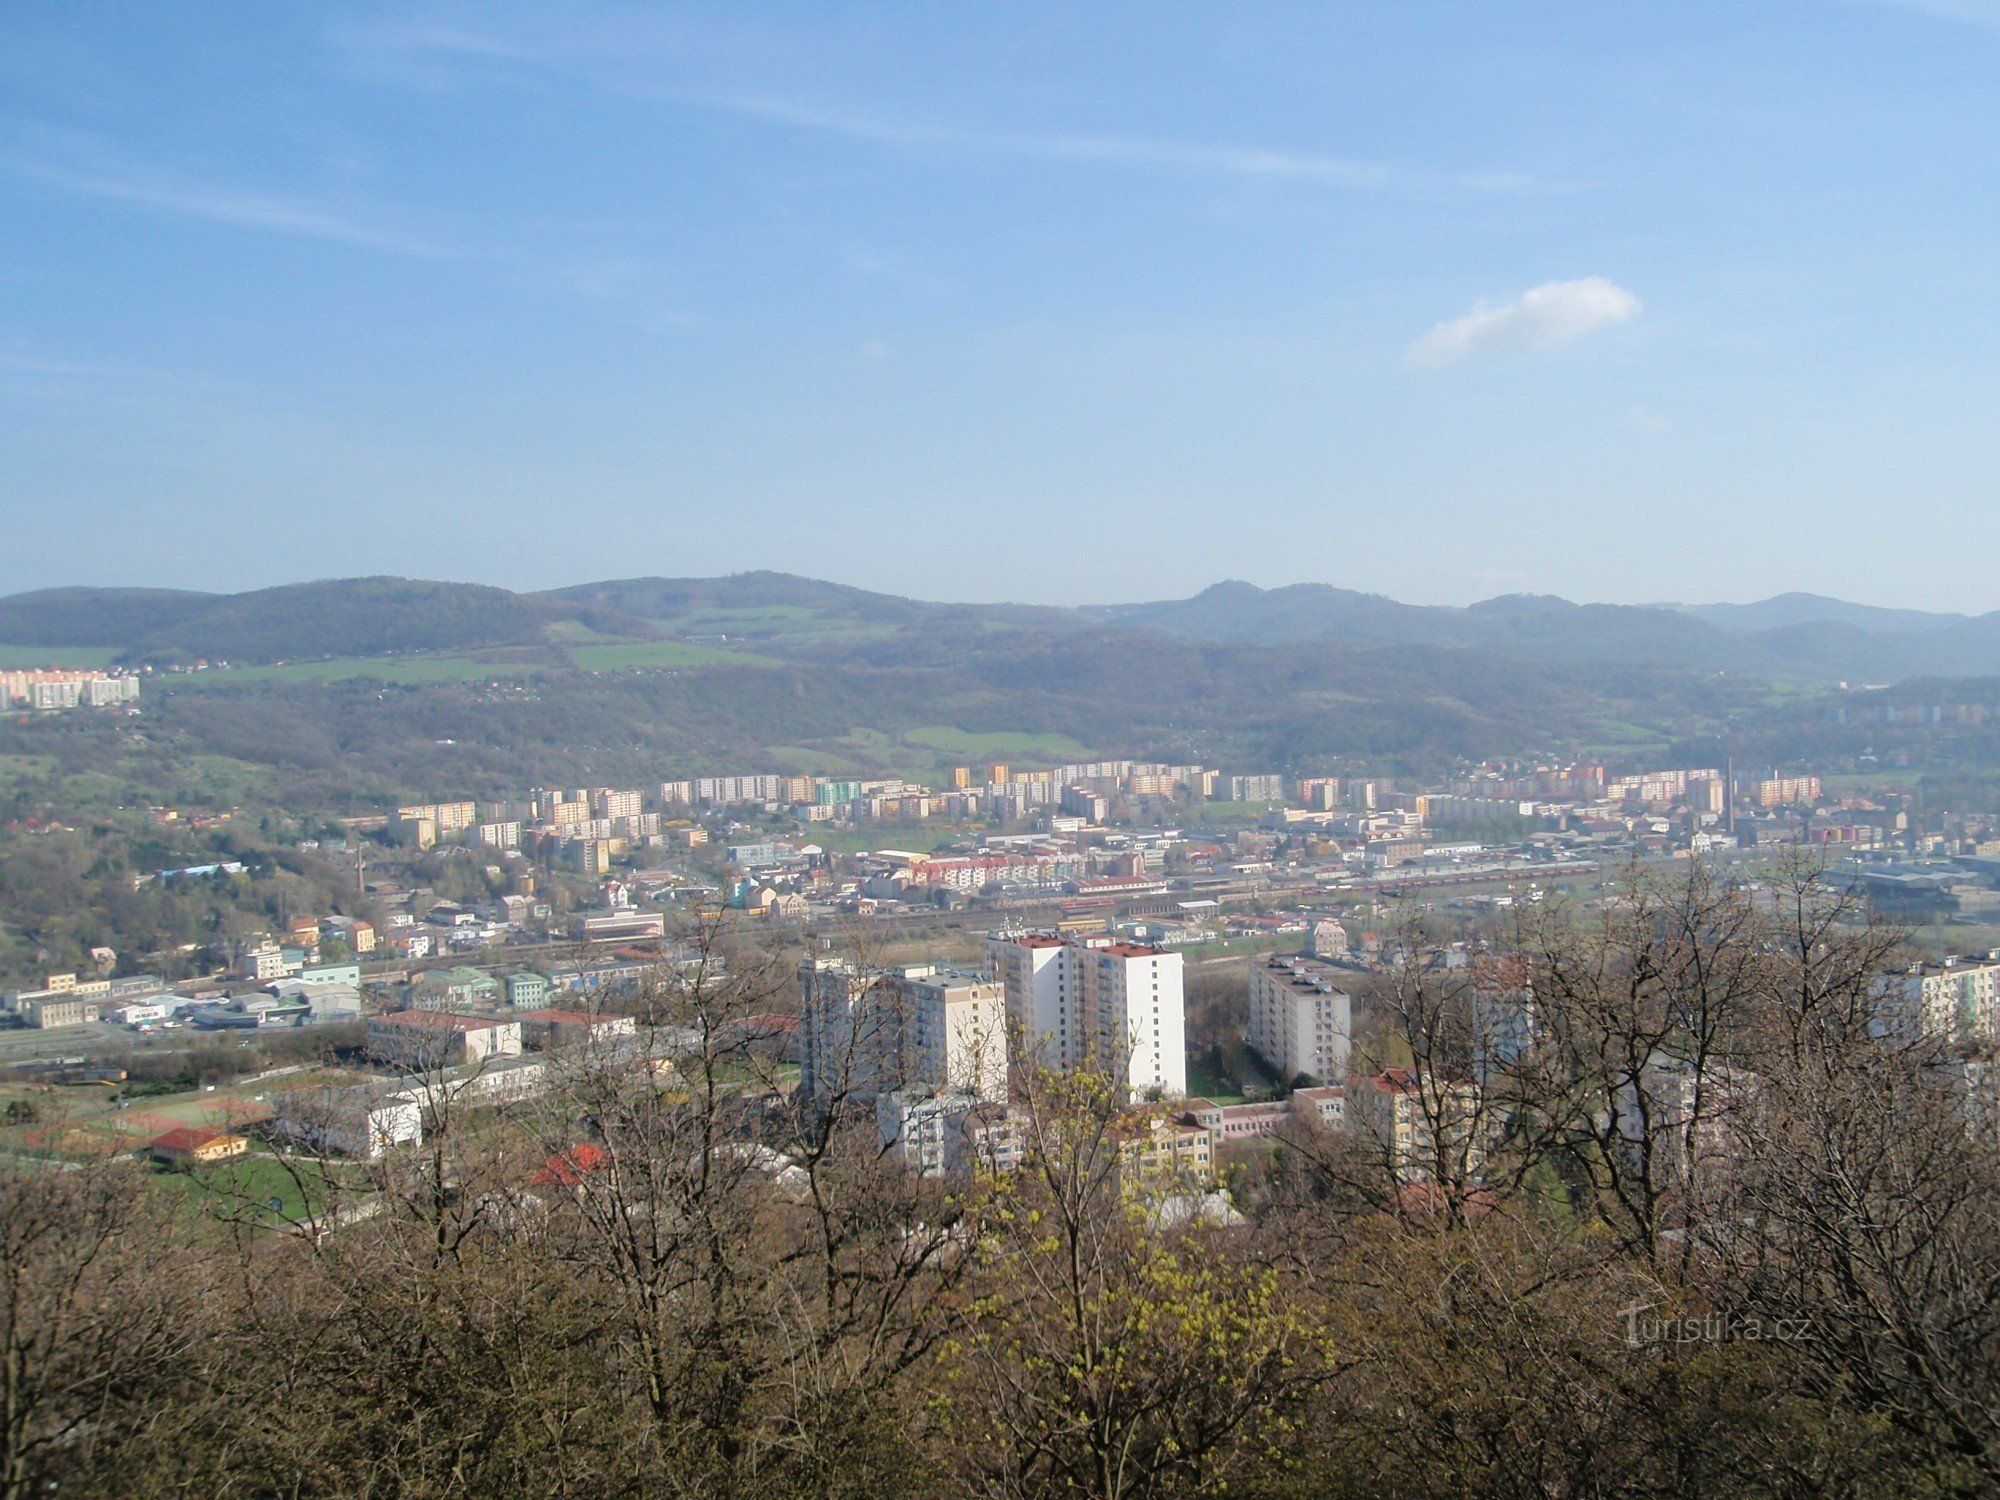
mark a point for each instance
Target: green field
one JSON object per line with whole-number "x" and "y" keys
{"x": 15, "y": 769}
{"x": 790, "y": 623}
{"x": 248, "y": 1185}
{"x": 399, "y": 670}
{"x": 664, "y": 654}
{"x": 919, "y": 838}
{"x": 576, "y": 633}
{"x": 137, "y": 777}
{"x": 1014, "y": 742}
{"x": 800, "y": 760}
{"x": 1230, "y": 812}
{"x": 57, "y": 656}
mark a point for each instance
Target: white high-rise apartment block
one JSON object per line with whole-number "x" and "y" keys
{"x": 1080, "y": 1002}
{"x": 865, "y": 1034}
{"x": 1301, "y": 1020}
{"x": 1957, "y": 1000}
{"x": 1030, "y": 968}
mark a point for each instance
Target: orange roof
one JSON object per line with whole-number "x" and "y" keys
{"x": 188, "y": 1138}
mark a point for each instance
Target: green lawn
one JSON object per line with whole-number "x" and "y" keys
{"x": 918, "y": 838}
{"x": 58, "y": 656}
{"x": 999, "y": 742}
{"x": 18, "y": 768}
{"x": 1234, "y": 1082}
{"x": 791, "y": 623}
{"x": 664, "y": 654}
{"x": 1198, "y": 953}
{"x": 248, "y": 1185}
{"x": 1230, "y": 812}
{"x": 400, "y": 670}
{"x": 576, "y": 633}
{"x": 800, "y": 760}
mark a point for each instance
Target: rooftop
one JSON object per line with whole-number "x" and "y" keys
{"x": 436, "y": 1020}
{"x": 1132, "y": 950}
{"x": 189, "y": 1138}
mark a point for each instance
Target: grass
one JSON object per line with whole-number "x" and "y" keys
{"x": 1199, "y": 953}
{"x": 58, "y": 656}
{"x": 399, "y": 670}
{"x": 1002, "y": 742}
{"x": 1227, "y": 1084}
{"x": 250, "y": 1184}
{"x": 792, "y": 623}
{"x": 1859, "y": 783}
{"x": 800, "y": 760}
{"x": 576, "y": 633}
{"x": 15, "y": 769}
{"x": 1229, "y": 812}
{"x": 664, "y": 654}
{"x": 919, "y": 838}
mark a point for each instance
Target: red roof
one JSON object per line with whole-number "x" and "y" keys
{"x": 568, "y": 1168}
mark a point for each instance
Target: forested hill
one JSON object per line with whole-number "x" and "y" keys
{"x": 1793, "y": 637}
{"x": 337, "y": 617}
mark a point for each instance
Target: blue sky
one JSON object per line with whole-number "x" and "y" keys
{"x": 1047, "y": 303}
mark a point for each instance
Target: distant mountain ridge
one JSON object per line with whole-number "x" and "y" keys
{"x": 334, "y": 617}
{"x": 1797, "y": 637}
{"x": 1791, "y": 636}
{"x": 1783, "y": 610}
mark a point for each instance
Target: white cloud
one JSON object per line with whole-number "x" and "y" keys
{"x": 605, "y": 60}
{"x": 1108, "y": 150}
{"x": 93, "y": 174}
{"x": 1555, "y": 312}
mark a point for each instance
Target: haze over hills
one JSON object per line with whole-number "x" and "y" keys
{"x": 1794, "y": 637}
{"x": 334, "y": 617}
{"x": 1781, "y": 610}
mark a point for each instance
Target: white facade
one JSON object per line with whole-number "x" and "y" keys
{"x": 1955, "y": 1001}
{"x": 865, "y": 1034}
{"x": 357, "y": 1122}
{"x": 1300, "y": 1020}
{"x": 141, "y": 1013}
{"x": 1097, "y": 1003}
{"x": 424, "y": 1039}
{"x": 1031, "y": 969}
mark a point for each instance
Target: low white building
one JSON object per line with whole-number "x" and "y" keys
{"x": 140, "y": 1013}
{"x": 357, "y": 1121}
{"x": 425, "y": 1039}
